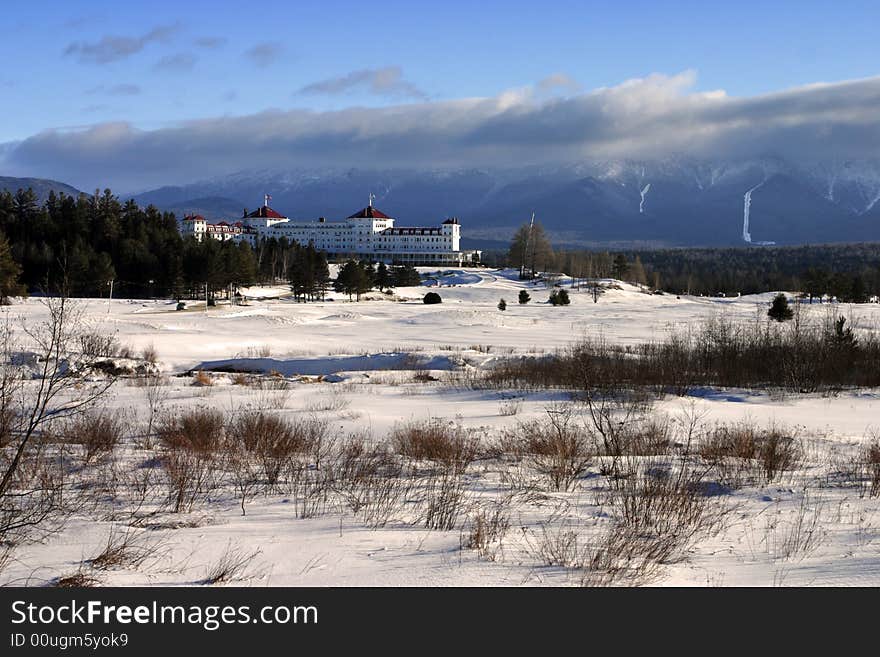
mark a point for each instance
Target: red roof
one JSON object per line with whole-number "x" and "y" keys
{"x": 369, "y": 212}
{"x": 265, "y": 212}
{"x": 193, "y": 217}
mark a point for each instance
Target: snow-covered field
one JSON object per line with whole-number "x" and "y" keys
{"x": 366, "y": 367}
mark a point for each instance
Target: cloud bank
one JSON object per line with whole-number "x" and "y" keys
{"x": 648, "y": 118}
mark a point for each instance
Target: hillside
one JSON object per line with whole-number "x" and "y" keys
{"x": 41, "y": 186}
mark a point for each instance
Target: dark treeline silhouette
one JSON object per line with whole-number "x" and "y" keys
{"x": 849, "y": 272}
{"x": 83, "y": 243}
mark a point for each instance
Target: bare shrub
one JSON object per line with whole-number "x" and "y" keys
{"x": 795, "y": 535}
{"x": 872, "y": 461}
{"x": 805, "y": 533}
{"x": 45, "y": 386}
{"x": 557, "y": 449}
{"x": 97, "y": 432}
{"x": 558, "y": 546}
{"x": 274, "y": 441}
{"x": 149, "y": 354}
{"x": 368, "y": 480}
{"x": 232, "y": 566}
{"x": 445, "y": 500}
{"x": 661, "y": 512}
{"x": 190, "y": 456}
{"x": 778, "y": 452}
{"x": 509, "y": 407}
{"x": 488, "y": 526}
{"x": 199, "y": 429}
{"x": 331, "y": 400}
{"x": 805, "y": 357}
{"x": 743, "y": 453}
{"x": 155, "y": 393}
{"x": 93, "y": 344}
{"x": 310, "y": 491}
{"x": 202, "y": 378}
{"x": 35, "y": 506}
{"x": 449, "y": 445}
{"x": 272, "y": 391}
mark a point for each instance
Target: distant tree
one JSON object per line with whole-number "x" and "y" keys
{"x": 530, "y": 250}
{"x": 636, "y": 272}
{"x": 842, "y": 335}
{"x": 779, "y": 309}
{"x": 524, "y": 297}
{"x": 353, "y": 279}
{"x": 620, "y": 267}
{"x": 322, "y": 275}
{"x": 858, "y": 293}
{"x": 383, "y": 277}
{"x": 559, "y": 298}
{"x": 815, "y": 283}
{"x": 432, "y": 297}
{"x": 502, "y": 305}
{"x": 405, "y": 276}
{"x": 9, "y": 273}
{"x": 101, "y": 272}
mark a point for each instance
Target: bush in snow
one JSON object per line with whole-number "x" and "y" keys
{"x": 502, "y": 305}
{"x": 524, "y": 297}
{"x": 432, "y": 297}
{"x": 559, "y": 298}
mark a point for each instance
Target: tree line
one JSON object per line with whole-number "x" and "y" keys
{"x": 848, "y": 272}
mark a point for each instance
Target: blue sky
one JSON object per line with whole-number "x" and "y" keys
{"x": 447, "y": 50}
{"x": 151, "y": 65}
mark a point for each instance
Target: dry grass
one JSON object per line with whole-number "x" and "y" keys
{"x": 81, "y": 579}
{"x": 232, "y": 566}
{"x": 125, "y": 549}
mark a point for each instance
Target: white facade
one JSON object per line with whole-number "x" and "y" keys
{"x": 368, "y": 234}
{"x": 197, "y": 226}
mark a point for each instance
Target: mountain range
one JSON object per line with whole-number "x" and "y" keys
{"x": 670, "y": 202}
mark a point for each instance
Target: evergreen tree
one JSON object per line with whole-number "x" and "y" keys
{"x": 559, "y": 298}
{"x": 353, "y": 279}
{"x": 779, "y": 309}
{"x": 9, "y": 273}
{"x": 502, "y": 305}
{"x": 383, "y": 277}
{"x": 405, "y": 276}
{"x": 524, "y": 297}
{"x": 620, "y": 267}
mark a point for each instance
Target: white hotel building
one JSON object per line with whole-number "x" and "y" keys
{"x": 369, "y": 234}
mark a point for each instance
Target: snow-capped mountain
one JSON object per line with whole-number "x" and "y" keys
{"x": 675, "y": 201}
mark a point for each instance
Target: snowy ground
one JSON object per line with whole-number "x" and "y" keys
{"x": 368, "y": 366}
